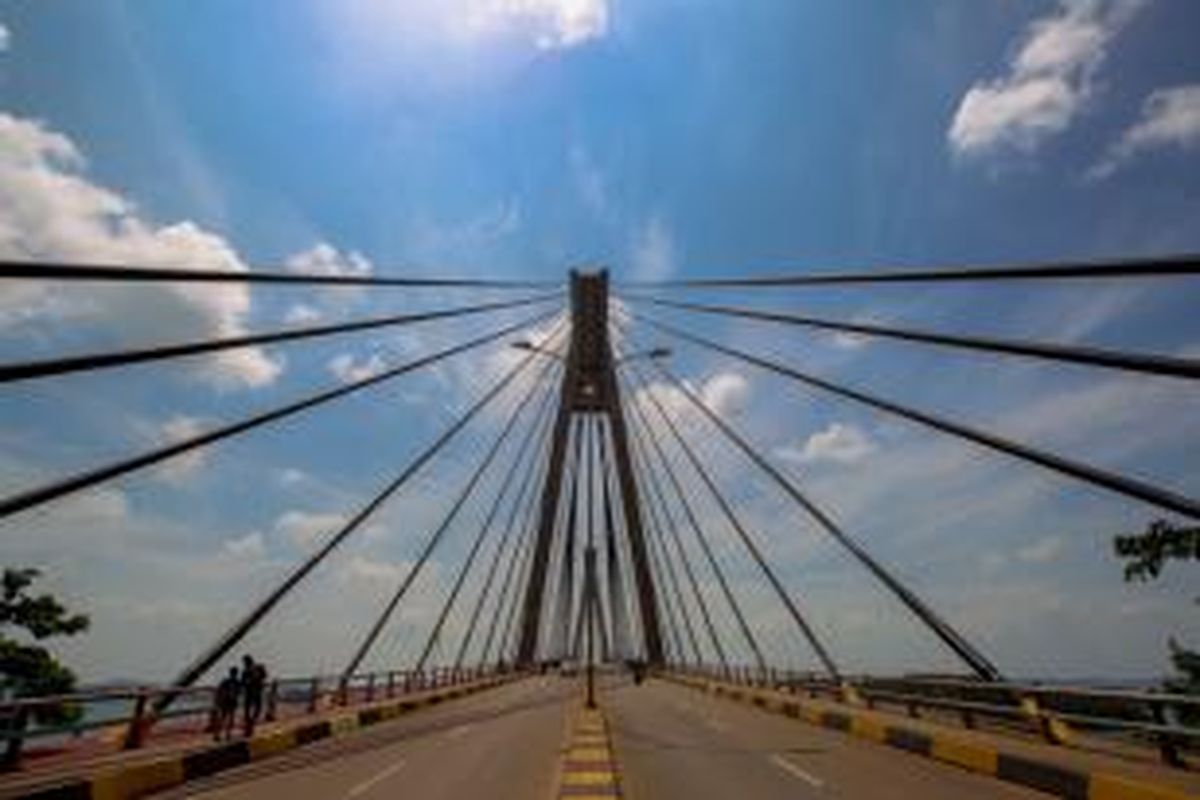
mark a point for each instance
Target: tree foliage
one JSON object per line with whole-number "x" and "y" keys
{"x": 1145, "y": 553}
{"x": 29, "y": 670}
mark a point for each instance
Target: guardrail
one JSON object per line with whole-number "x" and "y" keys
{"x": 128, "y": 712}
{"x": 1158, "y": 717}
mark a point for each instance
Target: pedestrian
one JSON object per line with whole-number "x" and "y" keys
{"x": 225, "y": 706}
{"x": 254, "y": 681}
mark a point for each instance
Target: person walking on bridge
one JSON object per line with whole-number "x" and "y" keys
{"x": 254, "y": 680}
{"x": 225, "y": 706}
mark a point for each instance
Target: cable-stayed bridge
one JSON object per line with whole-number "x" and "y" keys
{"x": 591, "y": 641}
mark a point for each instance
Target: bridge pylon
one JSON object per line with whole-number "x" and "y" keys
{"x": 589, "y": 389}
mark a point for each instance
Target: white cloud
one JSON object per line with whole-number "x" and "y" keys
{"x": 848, "y": 341}
{"x": 551, "y": 24}
{"x": 589, "y": 180}
{"x": 348, "y": 370}
{"x": 1104, "y": 306}
{"x": 325, "y": 259}
{"x": 839, "y": 443}
{"x": 725, "y": 392}
{"x": 103, "y": 505}
{"x": 432, "y": 47}
{"x": 301, "y": 314}
{"x": 361, "y": 568}
{"x": 653, "y": 253}
{"x": 185, "y": 465}
{"x": 436, "y": 240}
{"x": 306, "y": 530}
{"x": 49, "y": 210}
{"x": 467, "y": 376}
{"x": 853, "y": 341}
{"x": 291, "y": 477}
{"x": 1043, "y": 550}
{"x": 725, "y": 388}
{"x": 5, "y": 38}
{"x": 1049, "y": 81}
{"x": 992, "y": 562}
{"x": 1170, "y": 118}
{"x": 249, "y": 547}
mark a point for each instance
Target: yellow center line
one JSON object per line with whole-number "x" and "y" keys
{"x": 590, "y": 778}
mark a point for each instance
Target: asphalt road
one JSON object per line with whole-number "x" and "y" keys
{"x": 671, "y": 741}
{"x": 501, "y": 744}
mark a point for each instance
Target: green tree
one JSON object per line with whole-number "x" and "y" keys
{"x": 1145, "y": 554}
{"x": 1187, "y": 665}
{"x": 29, "y": 670}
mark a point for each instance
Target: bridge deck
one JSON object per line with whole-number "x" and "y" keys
{"x": 1107, "y": 761}
{"x": 672, "y": 741}
{"x": 500, "y": 744}
{"x": 669, "y": 740}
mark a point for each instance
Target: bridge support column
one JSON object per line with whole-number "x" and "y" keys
{"x": 589, "y": 386}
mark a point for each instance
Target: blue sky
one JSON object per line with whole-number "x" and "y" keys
{"x": 515, "y": 138}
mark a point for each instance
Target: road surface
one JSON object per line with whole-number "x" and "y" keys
{"x": 672, "y": 741}
{"x": 504, "y": 744}
{"x": 669, "y": 742}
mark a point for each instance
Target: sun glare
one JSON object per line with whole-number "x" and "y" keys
{"x": 539, "y": 24}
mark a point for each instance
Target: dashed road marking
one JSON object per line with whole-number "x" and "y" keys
{"x": 376, "y": 779}
{"x": 797, "y": 772}
{"x": 459, "y": 731}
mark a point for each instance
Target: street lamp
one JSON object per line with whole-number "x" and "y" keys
{"x": 655, "y": 353}
{"x": 533, "y": 348}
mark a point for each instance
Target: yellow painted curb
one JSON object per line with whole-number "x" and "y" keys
{"x": 945, "y": 748}
{"x": 964, "y": 754}
{"x": 137, "y": 779}
{"x": 343, "y": 724}
{"x": 868, "y": 728}
{"x": 141, "y": 778}
{"x": 271, "y": 743}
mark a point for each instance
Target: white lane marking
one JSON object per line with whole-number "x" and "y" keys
{"x": 366, "y": 785}
{"x": 459, "y": 731}
{"x": 792, "y": 769}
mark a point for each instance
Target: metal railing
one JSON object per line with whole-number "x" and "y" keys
{"x": 1161, "y": 718}
{"x": 127, "y": 713}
